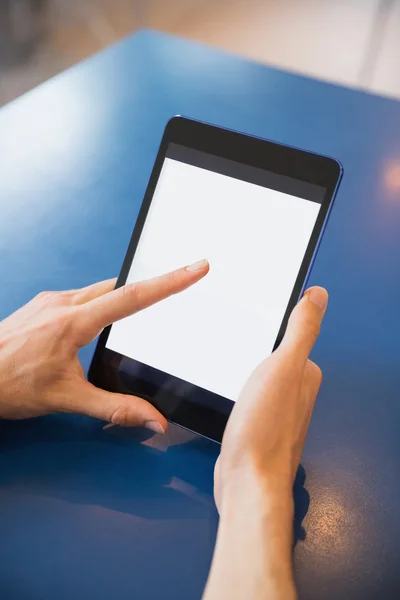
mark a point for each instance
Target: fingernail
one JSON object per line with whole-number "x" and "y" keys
{"x": 200, "y": 264}
{"x": 154, "y": 426}
{"x": 318, "y": 296}
{"x": 108, "y": 426}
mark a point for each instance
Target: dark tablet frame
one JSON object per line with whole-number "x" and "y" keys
{"x": 183, "y": 403}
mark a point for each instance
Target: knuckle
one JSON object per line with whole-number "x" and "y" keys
{"x": 173, "y": 279}
{"x": 131, "y": 292}
{"x": 78, "y": 328}
{"x": 45, "y": 296}
{"x": 66, "y": 296}
{"x": 58, "y": 298}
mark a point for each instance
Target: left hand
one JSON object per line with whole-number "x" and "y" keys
{"x": 40, "y": 372}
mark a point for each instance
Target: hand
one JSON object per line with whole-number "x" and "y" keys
{"x": 39, "y": 368}
{"x": 268, "y": 426}
{"x": 260, "y": 454}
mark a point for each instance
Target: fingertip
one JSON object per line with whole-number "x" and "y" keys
{"x": 156, "y": 427}
{"x": 152, "y": 418}
{"x": 305, "y": 322}
{"x": 200, "y": 265}
{"x": 318, "y": 296}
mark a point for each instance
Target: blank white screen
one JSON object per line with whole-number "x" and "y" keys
{"x": 214, "y": 334}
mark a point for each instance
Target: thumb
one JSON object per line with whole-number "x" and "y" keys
{"x": 305, "y": 322}
{"x": 119, "y": 409}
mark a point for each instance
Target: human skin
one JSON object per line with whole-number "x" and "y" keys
{"x": 40, "y": 372}
{"x": 260, "y": 454}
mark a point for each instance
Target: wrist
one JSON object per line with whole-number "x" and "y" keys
{"x": 263, "y": 502}
{"x": 253, "y": 556}
{"x": 251, "y": 480}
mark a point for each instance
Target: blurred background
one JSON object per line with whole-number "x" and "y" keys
{"x": 351, "y": 42}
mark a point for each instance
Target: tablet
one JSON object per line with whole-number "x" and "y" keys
{"x": 257, "y": 211}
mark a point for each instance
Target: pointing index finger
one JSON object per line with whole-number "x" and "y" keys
{"x": 131, "y": 298}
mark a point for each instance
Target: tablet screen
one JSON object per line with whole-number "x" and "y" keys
{"x": 254, "y": 227}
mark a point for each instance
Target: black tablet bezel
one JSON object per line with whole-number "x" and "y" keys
{"x": 194, "y": 408}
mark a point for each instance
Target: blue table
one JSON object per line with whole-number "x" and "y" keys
{"x": 92, "y": 514}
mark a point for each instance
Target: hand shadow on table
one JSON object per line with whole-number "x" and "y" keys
{"x": 301, "y": 505}
{"x": 73, "y": 459}
{"x": 109, "y": 495}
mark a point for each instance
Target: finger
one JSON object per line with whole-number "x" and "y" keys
{"x": 309, "y": 391}
{"x": 118, "y": 409}
{"x": 305, "y": 323}
{"x": 131, "y": 298}
{"x": 93, "y": 291}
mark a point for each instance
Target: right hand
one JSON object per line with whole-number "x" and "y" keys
{"x": 260, "y": 453}
{"x": 265, "y": 435}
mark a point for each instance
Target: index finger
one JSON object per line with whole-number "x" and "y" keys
{"x": 131, "y": 298}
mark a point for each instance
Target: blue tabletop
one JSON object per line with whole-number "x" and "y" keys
{"x": 91, "y": 514}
